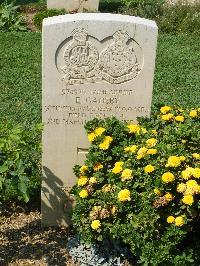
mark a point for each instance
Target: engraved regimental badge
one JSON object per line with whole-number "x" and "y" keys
{"x": 115, "y": 64}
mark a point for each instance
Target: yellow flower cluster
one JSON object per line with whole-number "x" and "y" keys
{"x": 165, "y": 109}
{"x": 167, "y": 117}
{"x": 133, "y": 128}
{"x": 117, "y": 168}
{"x": 106, "y": 143}
{"x": 127, "y": 174}
{"x": 83, "y": 193}
{"x": 141, "y": 153}
{"x": 124, "y": 195}
{"x": 152, "y": 151}
{"x": 179, "y": 118}
{"x": 178, "y": 221}
{"x": 188, "y": 200}
{"x": 83, "y": 169}
{"x": 175, "y": 161}
{"x": 168, "y": 177}
{"x": 92, "y": 180}
{"x": 96, "y": 224}
{"x": 191, "y": 187}
{"x": 193, "y": 113}
{"x": 168, "y": 196}
{"x": 82, "y": 181}
{"x": 151, "y": 142}
{"x": 196, "y": 156}
{"x": 189, "y": 172}
{"x": 131, "y": 149}
{"x": 97, "y": 132}
{"x": 149, "y": 168}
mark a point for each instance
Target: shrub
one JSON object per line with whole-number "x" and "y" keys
{"x": 181, "y": 17}
{"x": 20, "y": 174}
{"x": 38, "y": 18}
{"x": 110, "y": 5}
{"x": 141, "y": 184}
{"x": 145, "y": 8}
{"x": 10, "y": 18}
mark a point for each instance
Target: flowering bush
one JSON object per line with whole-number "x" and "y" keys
{"x": 141, "y": 184}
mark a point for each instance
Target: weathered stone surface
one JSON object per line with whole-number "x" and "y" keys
{"x": 74, "y": 5}
{"x": 94, "y": 65}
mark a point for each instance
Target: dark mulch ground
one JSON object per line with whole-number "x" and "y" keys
{"x": 23, "y": 241}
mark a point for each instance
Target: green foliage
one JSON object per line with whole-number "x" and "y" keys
{"x": 120, "y": 196}
{"x": 180, "y": 18}
{"x": 112, "y": 6}
{"x": 144, "y": 8}
{"x": 20, "y": 173}
{"x": 10, "y": 18}
{"x": 38, "y": 18}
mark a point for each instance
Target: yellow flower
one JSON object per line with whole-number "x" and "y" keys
{"x": 168, "y": 196}
{"x": 99, "y": 131}
{"x": 187, "y": 173}
{"x": 106, "y": 188}
{"x": 83, "y": 193}
{"x": 95, "y": 224}
{"x": 83, "y": 169}
{"x": 168, "y": 177}
{"x": 193, "y": 113}
{"x": 149, "y": 168}
{"x": 182, "y": 158}
{"x": 124, "y": 195}
{"x": 106, "y": 143}
{"x": 117, "y": 168}
{"x": 188, "y": 200}
{"x": 133, "y": 148}
{"x": 167, "y": 117}
{"x": 91, "y": 137}
{"x": 181, "y": 188}
{"x": 165, "y": 109}
{"x": 183, "y": 141}
{"x": 152, "y": 151}
{"x": 142, "y": 152}
{"x": 196, "y": 172}
{"x": 151, "y": 142}
{"x": 154, "y": 131}
{"x": 93, "y": 180}
{"x": 126, "y": 174}
{"x": 98, "y": 166}
{"x": 157, "y": 192}
{"x": 133, "y": 128}
{"x": 82, "y": 181}
{"x": 192, "y": 187}
{"x": 170, "y": 219}
{"x": 196, "y": 156}
{"x": 173, "y": 161}
{"x": 179, "y": 221}
{"x": 179, "y": 118}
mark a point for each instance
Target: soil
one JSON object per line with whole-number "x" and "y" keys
{"x": 25, "y": 242}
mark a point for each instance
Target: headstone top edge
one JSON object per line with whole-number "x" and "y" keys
{"x": 97, "y": 17}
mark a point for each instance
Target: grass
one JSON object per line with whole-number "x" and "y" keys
{"x": 177, "y": 74}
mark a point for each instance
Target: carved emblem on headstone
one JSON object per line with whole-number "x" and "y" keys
{"x": 80, "y": 56}
{"x": 115, "y": 64}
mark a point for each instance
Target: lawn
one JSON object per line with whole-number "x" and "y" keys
{"x": 177, "y": 74}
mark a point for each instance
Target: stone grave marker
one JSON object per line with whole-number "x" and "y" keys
{"x": 74, "y": 5}
{"x": 94, "y": 65}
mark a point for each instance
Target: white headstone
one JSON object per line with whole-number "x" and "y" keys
{"x": 94, "y": 65}
{"x": 74, "y": 5}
